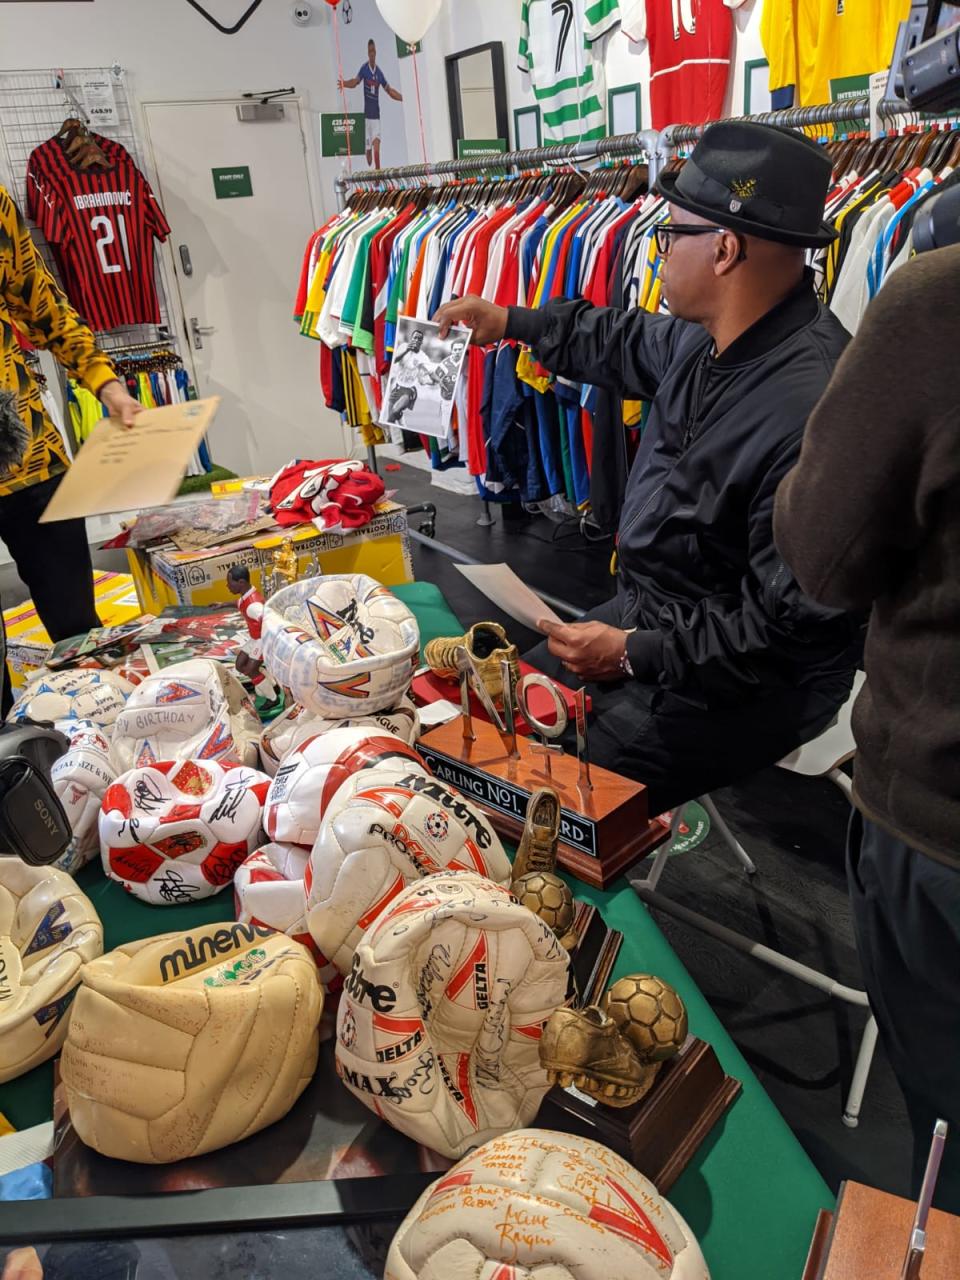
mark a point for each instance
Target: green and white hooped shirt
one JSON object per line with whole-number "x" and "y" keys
{"x": 557, "y": 39}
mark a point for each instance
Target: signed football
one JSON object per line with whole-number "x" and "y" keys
{"x": 176, "y": 832}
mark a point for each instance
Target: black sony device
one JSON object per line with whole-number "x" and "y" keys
{"x": 33, "y": 825}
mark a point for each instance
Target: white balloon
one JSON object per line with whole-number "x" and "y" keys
{"x": 410, "y": 19}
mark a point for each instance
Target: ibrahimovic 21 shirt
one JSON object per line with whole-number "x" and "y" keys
{"x": 101, "y": 225}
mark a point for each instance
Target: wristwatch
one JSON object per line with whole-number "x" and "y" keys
{"x": 625, "y": 666}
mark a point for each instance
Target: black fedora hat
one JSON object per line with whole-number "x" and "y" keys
{"x": 757, "y": 179}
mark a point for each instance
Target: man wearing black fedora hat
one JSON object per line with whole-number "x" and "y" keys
{"x": 709, "y": 662}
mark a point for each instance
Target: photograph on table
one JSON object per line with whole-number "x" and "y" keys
{"x": 423, "y": 377}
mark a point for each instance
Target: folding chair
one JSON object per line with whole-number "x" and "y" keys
{"x": 820, "y": 758}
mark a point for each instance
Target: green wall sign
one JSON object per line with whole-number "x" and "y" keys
{"x": 229, "y": 184}
{"x": 851, "y": 87}
{"x": 334, "y": 130}
{"x": 480, "y": 146}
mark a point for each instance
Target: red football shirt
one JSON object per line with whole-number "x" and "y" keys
{"x": 689, "y": 42}
{"x": 101, "y": 225}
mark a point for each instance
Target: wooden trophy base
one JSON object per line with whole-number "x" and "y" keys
{"x": 603, "y": 830}
{"x": 659, "y": 1134}
{"x": 866, "y": 1238}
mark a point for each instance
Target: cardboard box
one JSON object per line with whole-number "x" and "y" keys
{"x": 27, "y": 641}
{"x": 165, "y": 576}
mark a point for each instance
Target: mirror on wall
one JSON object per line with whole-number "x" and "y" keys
{"x": 477, "y": 93}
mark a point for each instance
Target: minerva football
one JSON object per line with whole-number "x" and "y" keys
{"x": 343, "y": 645}
{"x": 310, "y": 776}
{"x": 185, "y": 1043}
{"x": 81, "y": 778}
{"x": 382, "y": 830}
{"x": 579, "y": 1212}
{"x": 48, "y": 930}
{"x": 268, "y": 890}
{"x": 296, "y": 725}
{"x": 195, "y": 710}
{"x": 177, "y": 831}
{"x": 441, "y": 1015}
{"x": 73, "y": 695}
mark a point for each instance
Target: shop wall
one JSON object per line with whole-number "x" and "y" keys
{"x": 463, "y": 23}
{"x": 170, "y": 52}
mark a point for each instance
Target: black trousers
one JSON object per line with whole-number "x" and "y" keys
{"x": 52, "y": 559}
{"x": 680, "y": 751}
{"x": 906, "y": 913}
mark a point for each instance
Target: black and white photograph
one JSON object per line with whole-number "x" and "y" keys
{"x": 423, "y": 377}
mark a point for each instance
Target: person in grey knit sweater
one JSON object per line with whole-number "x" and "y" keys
{"x": 869, "y": 519}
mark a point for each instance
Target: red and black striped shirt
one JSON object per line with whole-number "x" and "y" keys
{"x": 101, "y": 225}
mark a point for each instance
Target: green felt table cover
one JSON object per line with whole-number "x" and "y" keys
{"x": 750, "y": 1194}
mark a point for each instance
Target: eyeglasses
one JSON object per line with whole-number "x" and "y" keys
{"x": 665, "y": 230}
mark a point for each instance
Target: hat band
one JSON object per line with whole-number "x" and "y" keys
{"x": 697, "y": 185}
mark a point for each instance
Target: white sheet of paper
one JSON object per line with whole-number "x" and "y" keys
{"x": 500, "y": 584}
{"x": 440, "y": 712}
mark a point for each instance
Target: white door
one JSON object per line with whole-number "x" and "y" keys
{"x": 236, "y": 260}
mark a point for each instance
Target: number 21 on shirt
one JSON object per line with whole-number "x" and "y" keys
{"x": 111, "y": 232}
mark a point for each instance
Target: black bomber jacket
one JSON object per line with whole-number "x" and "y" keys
{"x": 717, "y": 614}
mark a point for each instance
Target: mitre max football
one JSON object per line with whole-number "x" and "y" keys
{"x": 443, "y": 1008}
{"x": 343, "y": 645}
{"x": 383, "y": 829}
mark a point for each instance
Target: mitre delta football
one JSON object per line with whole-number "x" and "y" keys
{"x": 442, "y": 1011}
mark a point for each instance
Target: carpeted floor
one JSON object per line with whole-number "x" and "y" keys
{"x": 800, "y": 1043}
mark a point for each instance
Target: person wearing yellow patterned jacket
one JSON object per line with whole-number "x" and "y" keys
{"x": 52, "y": 559}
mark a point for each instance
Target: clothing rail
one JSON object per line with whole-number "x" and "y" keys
{"x": 796, "y": 118}
{"x": 618, "y": 145}
{"x": 657, "y": 147}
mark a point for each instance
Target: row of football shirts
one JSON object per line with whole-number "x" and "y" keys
{"x": 563, "y": 44}
{"x": 517, "y": 430}
{"x": 101, "y": 224}
{"x": 874, "y": 215}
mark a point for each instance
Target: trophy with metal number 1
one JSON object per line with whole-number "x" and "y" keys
{"x": 605, "y": 825}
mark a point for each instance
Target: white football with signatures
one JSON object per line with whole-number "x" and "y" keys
{"x": 297, "y": 724}
{"x": 81, "y": 778}
{"x": 195, "y": 710}
{"x": 311, "y": 774}
{"x": 535, "y": 1203}
{"x": 82, "y": 694}
{"x": 343, "y": 645}
{"x": 268, "y": 890}
{"x": 48, "y": 931}
{"x": 176, "y": 832}
{"x": 441, "y": 1015}
{"x": 382, "y": 830}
